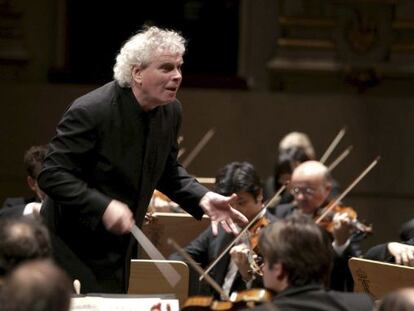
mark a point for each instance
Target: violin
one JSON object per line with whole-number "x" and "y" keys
{"x": 238, "y": 300}
{"x": 161, "y": 203}
{"x": 253, "y": 240}
{"x": 198, "y": 303}
{"x": 332, "y": 207}
{"x": 230, "y": 245}
{"x": 251, "y": 297}
{"x": 328, "y": 221}
{"x": 254, "y": 232}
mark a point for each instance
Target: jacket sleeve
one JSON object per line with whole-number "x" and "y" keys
{"x": 198, "y": 249}
{"x": 380, "y": 253}
{"x": 176, "y": 183}
{"x": 65, "y": 168}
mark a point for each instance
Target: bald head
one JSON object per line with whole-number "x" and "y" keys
{"x": 311, "y": 170}
{"x": 402, "y": 299}
{"x": 310, "y": 185}
{"x": 408, "y": 294}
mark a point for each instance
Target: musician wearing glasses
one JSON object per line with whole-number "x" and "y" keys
{"x": 311, "y": 187}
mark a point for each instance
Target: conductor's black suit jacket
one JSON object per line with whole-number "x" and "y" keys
{"x": 106, "y": 147}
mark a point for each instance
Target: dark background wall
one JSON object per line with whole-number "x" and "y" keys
{"x": 92, "y": 40}
{"x": 248, "y": 114}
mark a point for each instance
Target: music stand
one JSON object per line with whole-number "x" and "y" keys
{"x": 181, "y": 227}
{"x": 378, "y": 278}
{"x": 146, "y": 278}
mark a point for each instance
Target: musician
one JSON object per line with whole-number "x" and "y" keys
{"x": 22, "y": 239}
{"x": 294, "y": 148}
{"x": 297, "y": 140}
{"x": 112, "y": 148}
{"x": 287, "y": 161}
{"x": 233, "y": 271}
{"x": 36, "y": 285}
{"x": 311, "y": 186}
{"x": 393, "y": 252}
{"x": 406, "y": 230}
{"x": 32, "y": 160}
{"x": 297, "y": 263}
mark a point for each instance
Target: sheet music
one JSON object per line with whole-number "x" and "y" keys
{"x": 90, "y": 303}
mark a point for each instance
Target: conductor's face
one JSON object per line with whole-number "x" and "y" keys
{"x": 157, "y": 84}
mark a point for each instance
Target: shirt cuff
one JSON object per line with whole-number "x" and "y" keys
{"x": 32, "y": 207}
{"x": 249, "y": 283}
{"x": 339, "y": 250}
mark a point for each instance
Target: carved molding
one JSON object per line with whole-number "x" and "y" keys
{"x": 362, "y": 40}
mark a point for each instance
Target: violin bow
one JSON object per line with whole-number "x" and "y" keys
{"x": 333, "y": 145}
{"x": 197, "y": 267}
{"x": 275, "y": 198}
{"x": 347, "y": 190}
{"x": 240, "y": 235}
{"x": 181, "y": 150}
{"x": 340, "y": 158}
{"x": 200, "y": 145}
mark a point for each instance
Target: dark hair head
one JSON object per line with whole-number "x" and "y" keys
{"x": 37, "y": 285}
{"x": 33, "y": 159}
{"x": 286, "y": 162}
{"x": 22, "y": 238}
{"x": 301, "y": 247}
{"x": 238, "y": 177}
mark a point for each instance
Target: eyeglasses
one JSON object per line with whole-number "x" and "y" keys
{"x": 306, "y": 191}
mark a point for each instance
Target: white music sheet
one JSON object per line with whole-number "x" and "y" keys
{"x": 90, "y": 303}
